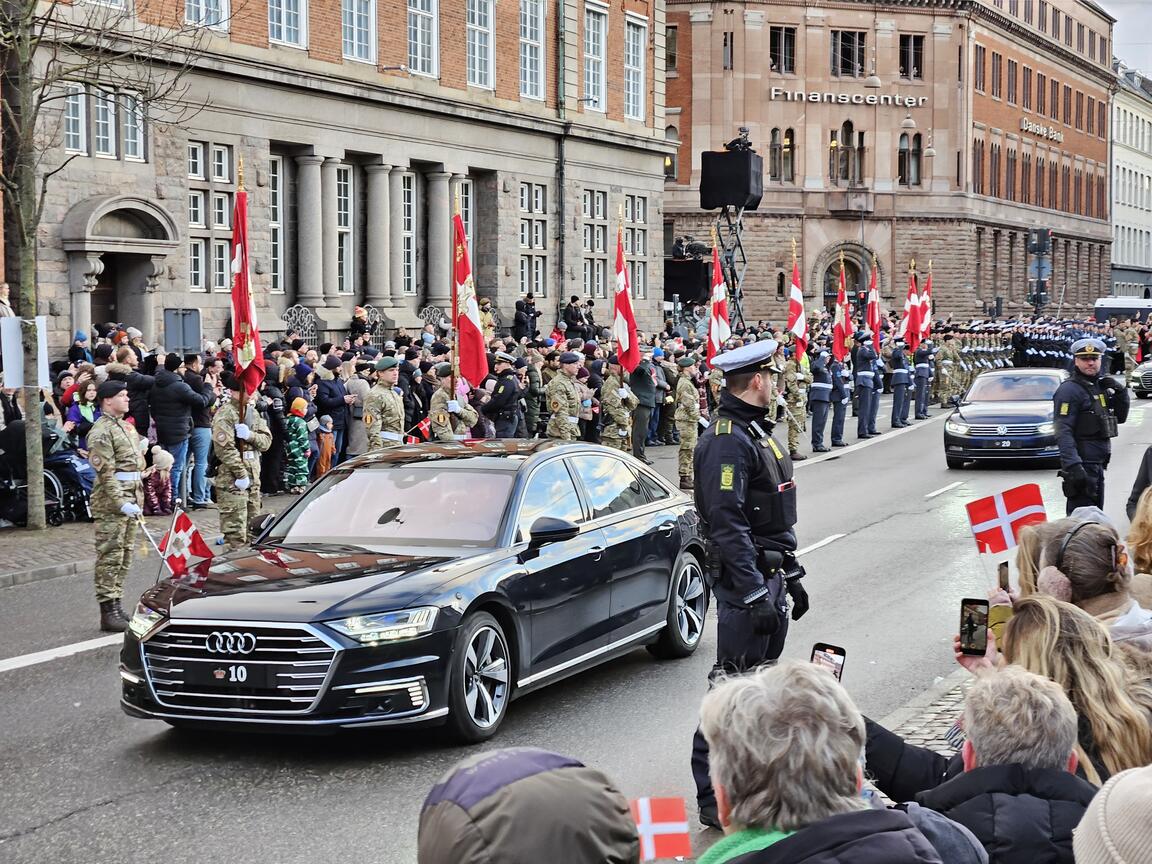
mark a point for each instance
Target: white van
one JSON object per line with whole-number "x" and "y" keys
{"x": 1136, "y": 308}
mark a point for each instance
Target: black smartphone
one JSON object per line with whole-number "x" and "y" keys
{"x": 973, "y": 626}
{"x": 1002, "y": 576}
{"x": 831, "y": 657}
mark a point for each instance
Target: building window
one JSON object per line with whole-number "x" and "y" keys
{"x": 76, "y": 120}
{"x": 728, "y": 57}
{"x": 1054, "y": 184}
{"x": 345, "y": 254}
{"x": 997, "y": 64}
{"x": 467, "y": 197}
{"x": 104, "y": 123}
{"x": 221, "y": 163}
{"x": 196, "y": 209}
{"x": 423, "y": 53}
{"x": 1091, "y": 44}
{"x": 671, "y": 48}
{"x": 1026, "y": 178}
{"x": 408, "y": 231}
{"x": 210, "y": 217}
{"x": 358, "y": 29}
{"x": 912, "y": 57}
{"x": 532, "y": 49}
{"x": 480, "y": 41}
{"x": 848, "y": 53}
{"x": 595, "y": 51}
{"x": 1054, "y": 101}
{"x": 276, "y": 225}
{"x": 1065, "y": 188}
{"x": 635, "y": 39}
{"x": 197, "y": 253}
{"x": 994, "y": 171}
{"x": 1068, "y": 30}
{"x": 195, "y": 160}
{"x": 1105, "y": 57}
{"x": 781, "y": 159}
{"x": 594, "y": 210}
{"x": 1067, "y": 105}
{"x": 1102, "y": 119}
{"x": 1078, "y": 193}
{"x": 1027, "y": 11}
{"x": 207, "y": 13}
{"x": 132, "y": 131}
{"x": 221, "y": 265}
{"x": 909, "y": 160}
{"x": 1013, "y": 66}
{"x": 782, "y": 49}
{"x": 288, "y": 22}
{"x": 978, "y": 167}
{"x": 1041, "y": 91}
{"x": 1040, "y": 175}
{"x": 846, "y": 156}
{"x": 1090, "y": 116}
{"x": 636, "y": 243}
{"x": 1010, "y": 175}
{"x": 1079, "y": 111}
{"x": 978, "y": 62}
{"x": 1042, "y": 17}
{"x": 1080, "y": 38}
{"x": 1026, "y": 101}
{"x": 534, "y": 239}
{"x": 221, "y": 210}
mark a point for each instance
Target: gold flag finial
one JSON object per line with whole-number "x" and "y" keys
{"x": 841, "y": 260}
{"x": 793, "y": 250}
{"x": 929, "y": 265}
{"x": 240, "y": 172}
{"x": 912, "y": 265}
{"x": 715, "y": 239}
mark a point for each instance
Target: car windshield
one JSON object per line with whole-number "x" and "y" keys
{"x": 1013, "y": 388}
{"x": 410, "y": 505}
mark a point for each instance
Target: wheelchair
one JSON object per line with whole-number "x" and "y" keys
{"x": 65, "y": 499}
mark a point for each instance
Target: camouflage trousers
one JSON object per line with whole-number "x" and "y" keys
{"x": 610, "y": 437}
{"x": 688, "y": 433}
{"x": 237, "y": 509}
{"x": 115, "y": 537}
{"x": 795, "y": 419}
{"x": 562, "y": 430}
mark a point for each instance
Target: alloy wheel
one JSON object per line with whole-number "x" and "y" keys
{"x": 691, "y": 603}
{"x": 486, "y": 677}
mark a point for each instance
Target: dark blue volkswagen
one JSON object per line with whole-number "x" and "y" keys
{"x": 1006, "y": 414}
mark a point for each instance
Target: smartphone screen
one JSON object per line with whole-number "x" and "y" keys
{"x": 1002, "y": 574}
{"x": 973, "y": 626}
{"x": 831, "y": 657}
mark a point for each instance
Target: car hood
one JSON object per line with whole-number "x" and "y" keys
{"x": 1004, "y": 412}
{"x": 279, "y": 584}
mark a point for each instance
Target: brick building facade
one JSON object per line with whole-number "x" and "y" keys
{"x": 892, "y": 132}
{"x": 360, "y": 124}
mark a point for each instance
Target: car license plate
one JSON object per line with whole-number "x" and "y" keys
{"x": 1007, "y": 443}
{"x": 229, "y": 676}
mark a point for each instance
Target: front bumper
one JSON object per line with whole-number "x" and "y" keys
{"x": 400, "y": 684}
{"x": 1008, "y": 447}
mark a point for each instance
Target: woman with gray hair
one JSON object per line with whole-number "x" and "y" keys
{"x": 786, "y": 746}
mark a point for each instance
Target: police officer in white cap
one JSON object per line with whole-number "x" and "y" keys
{"x": 1087, "y": 408}
{"x": 746, "y": 500}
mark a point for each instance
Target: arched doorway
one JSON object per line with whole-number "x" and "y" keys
{"x": 852, "y": 280}
{"x": 858, "y": 263}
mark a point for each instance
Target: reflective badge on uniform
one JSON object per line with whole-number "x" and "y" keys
{"x": 500, "y": 389}
{"x": 775, "y": 448}
{"x": 727, "y": 477}
{"x": 95, "y": 461}
{"x": 222, "y": 437}
{"x": 369, "y": 419}
{"x": 1102, "y": 402}
{"x": 1063, "y": 409}
{"x": 440, "y": 418}
{"x": 555, "y": 404}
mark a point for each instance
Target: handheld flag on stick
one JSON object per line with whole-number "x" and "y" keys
{"x": 662, "y": 824}
{"x": 997, "y": 520}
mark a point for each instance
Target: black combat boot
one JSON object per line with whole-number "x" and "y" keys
{"x": 120, "y": 610}
{"x": 685, "y": 482}
{"x": 111, "y": 619}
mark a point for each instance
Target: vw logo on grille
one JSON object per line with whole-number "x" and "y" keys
{"x": 1001, "y": 430}
{"x": 220, "y": 642}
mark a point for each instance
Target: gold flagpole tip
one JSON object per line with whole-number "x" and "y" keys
{"x": 240, "y": 172}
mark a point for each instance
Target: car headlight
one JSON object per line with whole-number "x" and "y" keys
{"x": 144, "y": 620}
{"x": 1046, "y": 428}
{"x": 956, "y": 428}
{"x": 387, "y": 626}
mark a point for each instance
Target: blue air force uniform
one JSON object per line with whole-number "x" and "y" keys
{"x": 900, "y": 381}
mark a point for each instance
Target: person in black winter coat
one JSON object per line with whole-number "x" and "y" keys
{"x": 126, "y": 369}
{"x": 333, "y": 399}
{"x": 1143, "y": 481}
{"x": 172, "y": 402}
{"x": 521, "y": 322}
{"x": 272, "y": 460}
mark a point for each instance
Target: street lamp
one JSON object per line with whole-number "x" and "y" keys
{"x": 873, "y": 81}
{"x": 930, "y": 151}
{"x": 908, "y": 122}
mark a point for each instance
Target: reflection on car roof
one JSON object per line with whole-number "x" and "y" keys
{"x": 495, "y": 453}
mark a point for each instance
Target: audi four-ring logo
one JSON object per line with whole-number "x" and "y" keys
{"x": 219, "y": 642}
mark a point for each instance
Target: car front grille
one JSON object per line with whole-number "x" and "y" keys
{"x": 1146, "y": 379}
{"x": 296, "y": 659}
{"x": 1006, "y": 429}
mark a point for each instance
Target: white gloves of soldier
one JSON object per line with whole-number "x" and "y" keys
{"x": 243, "y": 432}
{"x": 130, "y": 508}
{"x": 623, "y": 433}
{"x": 781, "y": 401}
{"x": 453, "y": 406}
{"x": 623, "y": 392}
{"x": 243, "y": 483}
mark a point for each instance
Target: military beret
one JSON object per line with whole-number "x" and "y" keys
{"x": 613, "y": 360}
{"x": 521, "y": 362}
{"x": 332, "y": 362}
{"x": 504, "y": 357}
{"x": 438, "y": 348}
{"x": 231, "y": 382}
{"x": 570, "y": 357}
{"x": 110, "y": 388}
{"x": 685, "y": 362}
{"x": 297, "y": 344}
{"x": 747, "y": 358}
{"x": 386, "y": 363}
{"x": 443, "y": 370}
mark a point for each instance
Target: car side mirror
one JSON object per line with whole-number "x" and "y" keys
{"x": 547, "y": 530}
{"x": 259, "y": 525}
{"x": 954, "y": 401}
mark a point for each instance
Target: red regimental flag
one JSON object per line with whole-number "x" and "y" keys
{"x": 997, "y": 520}
{"x": 926, "y": 307}
{"x": 469, "y": 331}
{"x": 245, "y": 332}
{"x": 842, "y": 326}
{"x": 662, "y": 824}
{"x": 797, "y": 319}
{"x": 910, "y": 323}
{"x": 719, "y": 330}
{"x": 872, "y": 311}
{"x": 623, "y": 318}
{"x": 183, "y": 543}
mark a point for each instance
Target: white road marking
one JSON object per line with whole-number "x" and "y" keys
{"x": 55, "y": 653}
{"x": 821, "y": 544}
{"x": 887, "y": 436}
{"x": 944, "y": 489}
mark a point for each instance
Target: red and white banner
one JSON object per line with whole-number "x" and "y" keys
{"x": 910, "y": 323}
{"x": 926, "y": 307}
{"x": 996, "y": 520}
{"x": 183, "y": 543}
{"x": 842, "y": 326}
{"x": 246, "y": 347}
{"x": 662, "y": 824}
{"x": 797, "y": 318}
{"x": 470, "y": 351}
{"x": 623, "y": 318}
{"x": 719, "y": 330}
{"x": 872, "y": 311}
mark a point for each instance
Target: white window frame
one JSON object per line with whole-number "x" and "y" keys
{"x": 425, "y": 15}
{"x": 345, "y": 230}
{"x": 105, "y": 101}
{"x": 132, "y": 128}
{"x": 276, "y": 225}
{"x": 199, "y": 13}
{"x": 635, "y": 60}
{"x": 595, "y": 50}
{"x": 197, "y": 148}
{"x": 197, "y": 217}
{"x": 533, "y": 75}
{"x": 279, "y": 27}
{"x": 636, "y": 246}
{"x": 222, "y": 210}
{"x": 221, "y": 266}
{"x": 408, "y": 232}
{"x": 226, "y": 175}
{"x": 480, "y": 43}
{"x": 467, "y": 191}
{"x": 358, "y": 30}
{"x": 197, "y": 254}
{"x": 76, "y": 115}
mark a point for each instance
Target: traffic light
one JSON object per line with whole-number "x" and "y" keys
{"x": 1040, "y": 241}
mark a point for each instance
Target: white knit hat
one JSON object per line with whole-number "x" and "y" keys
{"x": 1115, "y": 828}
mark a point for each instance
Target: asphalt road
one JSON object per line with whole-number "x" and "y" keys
{"x": 81, "y": 782}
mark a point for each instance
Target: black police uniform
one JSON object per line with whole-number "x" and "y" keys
{"x": 747, "y": 503}
{"x": 820, "y": 400}
{"x": 922, "y": 375}
{"x": 1086, "y": 412}
{"x": 863, "y": 363}
{"x": 504, "y": 407}
{"x": 900, "y": 381}
{"x": 840, "y": 399}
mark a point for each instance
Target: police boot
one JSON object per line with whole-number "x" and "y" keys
{"x": 111, "y": 619}
{"x": 685, "y": 482}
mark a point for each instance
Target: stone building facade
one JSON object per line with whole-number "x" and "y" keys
{"x": 900, "y": 131}
{"x": 1132, "y": 185}
{"x": 360, "y": 125}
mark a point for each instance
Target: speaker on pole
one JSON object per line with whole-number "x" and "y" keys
{"x": 731, "y": 178}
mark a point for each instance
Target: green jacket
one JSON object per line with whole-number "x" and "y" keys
{"x": 741, "y": 843}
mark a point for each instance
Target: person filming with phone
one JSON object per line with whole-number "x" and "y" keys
{"x": 746, "y": 500}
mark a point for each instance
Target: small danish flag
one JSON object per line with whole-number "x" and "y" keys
{"x": 183, "y": 543}
{"x": 997, "y": 519}
{"x": 662, "y": 824}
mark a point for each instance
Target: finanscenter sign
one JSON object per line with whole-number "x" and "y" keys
{"x": 828, "y": 96}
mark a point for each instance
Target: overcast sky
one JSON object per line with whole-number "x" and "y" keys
{"x": 1132, "y": 32}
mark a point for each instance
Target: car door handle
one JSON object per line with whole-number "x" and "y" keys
{"x": 667, "y": 528}
{"x": 597, "y": 551}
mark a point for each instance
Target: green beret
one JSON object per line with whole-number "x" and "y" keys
{"x": 443, "y": 370}
{"x": 685, "y": 362}
{"x": 385, "y": 363}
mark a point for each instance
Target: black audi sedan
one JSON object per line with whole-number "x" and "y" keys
{"x": 430, "y": 583}
{"x": 1006, "y": 414}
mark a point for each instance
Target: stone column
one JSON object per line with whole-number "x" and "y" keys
{"x": 328, "y": 226}
{"x": 396, "y": 237}
{"x": 84, "y": 269}
{"x": 379, "y": 237}
{"x": 309, "y": 233}
{"x": 439, "y": 246}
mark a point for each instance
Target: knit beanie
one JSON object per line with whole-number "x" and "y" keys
{"x": 1115, "y": 828}
{"x": 299, "y": 406}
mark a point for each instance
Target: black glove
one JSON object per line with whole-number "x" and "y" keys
{"x": 1075, "y": 480}
{"x": 765, "y": 618}
{"x": 800, "y": 604}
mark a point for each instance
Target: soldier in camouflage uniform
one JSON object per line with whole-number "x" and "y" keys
{"x": 114, "y": 452}
{"x": 795, "y": 394}
{"x": 564, "y": 400}
{"x": 687, "y": 417}
{"x": 384, "y": 406}
{"x": 617, "y": 402}
{"x": 451, "y": 419}
{"x": 238, "y": 446}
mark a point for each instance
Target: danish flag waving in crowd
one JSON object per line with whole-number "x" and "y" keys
{"x": 842, "y": 326}
{"x": 926, "y": 307}
{"x": 797, "y": 320}
{"x": 662, "y": 825}
{"x": 469, "y": 332}
{"x": 997, "y": 519}
{"x": 910, "y": 324}
{"x": 245, "y": 334}
{"x": 183, "y": 543}
{"x": 872, "y": 310}
{"x": 719, "y": 330}
{"x": 623, "y": 318}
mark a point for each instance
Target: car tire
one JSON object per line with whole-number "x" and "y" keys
{"x": 479, "y": 683}
{"x": 953, "y": 462}
{"x": 687, "y": 611}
